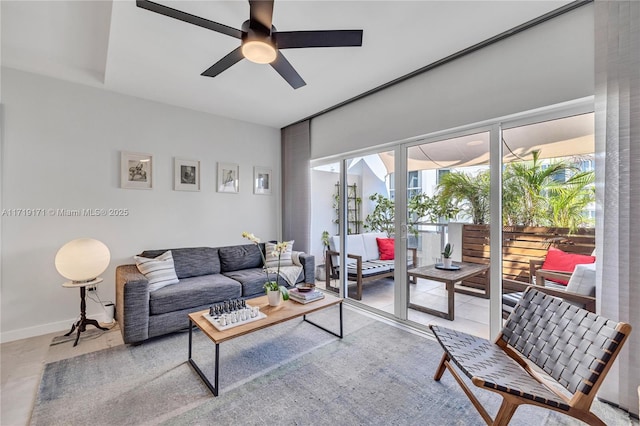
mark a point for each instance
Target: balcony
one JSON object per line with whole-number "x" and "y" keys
{"x": 520, "y": 246}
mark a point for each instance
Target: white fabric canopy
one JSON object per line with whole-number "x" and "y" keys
{"x": 557, "y": 138}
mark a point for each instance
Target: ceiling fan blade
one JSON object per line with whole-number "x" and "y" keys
{"x": 232, "y": 58}
{"x": 189, "y": 18}
{"x": 286, "y": 70}
{"x": 330, "y": 38}
{"x": 261, "y": 11}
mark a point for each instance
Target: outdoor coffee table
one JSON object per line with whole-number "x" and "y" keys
{"x": 287, "y": 310}
{"x": 450, "y": 278}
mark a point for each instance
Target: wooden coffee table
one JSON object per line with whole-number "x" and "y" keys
{"x": 287, "y": 310}
{"x": 450, "y": 278}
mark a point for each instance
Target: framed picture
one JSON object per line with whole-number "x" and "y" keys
{"x": 136, "y": 170}
{"x": 262, "y": 181}
{"x": 186, "y": 175}
{"x": 228, "y": 178}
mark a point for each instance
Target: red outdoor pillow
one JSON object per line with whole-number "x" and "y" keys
{"x": 558, "y": 260}
{"x": 386, "y": 248}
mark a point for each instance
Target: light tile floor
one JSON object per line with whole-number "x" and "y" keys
{"x": 471, "y": 313}
{"x": 23, "y": 361}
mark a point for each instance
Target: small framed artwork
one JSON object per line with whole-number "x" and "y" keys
{"x": 262, "y": 181}
{"x": 186, "y": 175}
{"x": 228, "y": 178}
{"x": 136, "y": 170}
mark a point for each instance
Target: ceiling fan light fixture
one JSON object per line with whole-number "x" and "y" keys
{"x": 259, "y": 51}
{"x": 261, "y": 42}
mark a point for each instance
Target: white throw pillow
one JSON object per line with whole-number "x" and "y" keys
{"x": 160, "y": 271}
{"x": 285, "y": 258}
{"x": 295, "y": 258}
{"x": 583, "y": 280}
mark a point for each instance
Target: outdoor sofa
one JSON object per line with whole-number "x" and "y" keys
{"x": 365, "y": 261}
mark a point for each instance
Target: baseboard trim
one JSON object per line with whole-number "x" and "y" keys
{"x": 39, "y": 330}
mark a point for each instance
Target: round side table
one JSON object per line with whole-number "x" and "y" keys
{"x": 81, "y": 324}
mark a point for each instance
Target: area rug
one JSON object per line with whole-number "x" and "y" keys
{"x": 290, "y": 374}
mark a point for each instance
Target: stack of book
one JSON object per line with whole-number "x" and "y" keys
{"x": 305, "y": 297}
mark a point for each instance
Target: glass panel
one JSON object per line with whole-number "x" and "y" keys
{"x": 371, "y": 215}
{"x": 448, "y": 190}
{"x": 548, "y": 196}
{"x": 367, "y": 183}
{"x": 325, "y": 180}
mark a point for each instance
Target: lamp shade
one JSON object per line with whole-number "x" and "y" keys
{"x": 82, "y": 260}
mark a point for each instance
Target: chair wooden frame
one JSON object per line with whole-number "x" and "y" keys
{"x": 470, "y": 351}
{"x": 509, "y": 286}
{"x": 537, "y": 275}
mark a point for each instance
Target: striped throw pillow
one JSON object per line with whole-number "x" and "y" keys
{"x": 285, "y": 258}
{"x": 159, "y": 271}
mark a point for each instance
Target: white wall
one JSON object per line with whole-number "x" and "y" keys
{"x": 61, "y": 150}
{"x": 544, "y": 65}
{"x": 371, "y": 184}
{"x": 323, "y": 189}
{"x": 323, "y": 214}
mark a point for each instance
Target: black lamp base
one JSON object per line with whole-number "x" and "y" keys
{"x": 81, "y": 324}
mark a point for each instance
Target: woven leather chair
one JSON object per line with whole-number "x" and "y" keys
{"x": 571, "y": 346}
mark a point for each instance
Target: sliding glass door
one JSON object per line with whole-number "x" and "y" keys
{"x": 358, "y": 214}
{"x": 447, "y": 222}
{"x": 388, "y": 216}
{"x": 548, "y": 200}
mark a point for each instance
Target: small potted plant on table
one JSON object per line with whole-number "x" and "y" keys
{"x": 446, "y": 255}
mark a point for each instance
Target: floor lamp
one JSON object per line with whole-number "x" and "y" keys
{"x": 81, "y": 261}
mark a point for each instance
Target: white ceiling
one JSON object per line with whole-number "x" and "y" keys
{"x": 120, "y": 47}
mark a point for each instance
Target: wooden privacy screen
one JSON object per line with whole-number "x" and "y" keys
{"x": 519, "y": 245}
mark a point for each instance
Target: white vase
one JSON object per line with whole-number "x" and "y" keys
{"x": 321, "y": 273}
{"x": 446, "y": 262}
{"x": 274, "y": 297}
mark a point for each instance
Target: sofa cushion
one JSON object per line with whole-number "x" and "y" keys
{"x": 252, "y": 280}
{"x": 159, "y": 271}
{"x": 583, "y": 280}
{"x": 355, "y": 246}
{"x": 191, "y": 262}
{"x": 373, "y": 267}
{"x": 193, "y": 292}
{"x": 369, "y": 239}
{"x": 235, "y": 258}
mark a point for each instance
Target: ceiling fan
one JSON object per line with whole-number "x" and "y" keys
{"x": 261, "y": 43}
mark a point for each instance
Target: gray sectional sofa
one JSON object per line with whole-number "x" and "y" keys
{"x": 206, "y": 275}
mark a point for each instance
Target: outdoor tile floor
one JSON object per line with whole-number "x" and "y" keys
{"x": 471, "y": 313}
